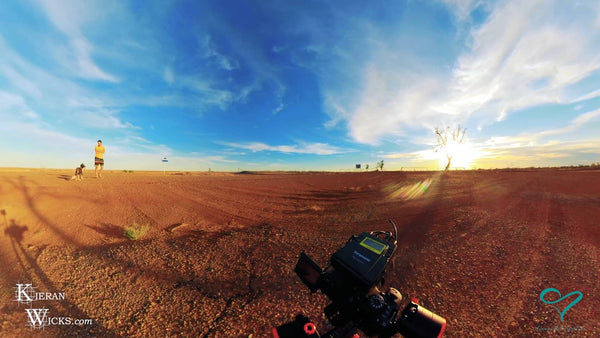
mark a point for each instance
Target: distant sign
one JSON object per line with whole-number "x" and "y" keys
{"x": 165, "y": 159}
{"x": 358, "y": 166}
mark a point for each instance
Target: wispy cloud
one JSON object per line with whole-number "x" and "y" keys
{"x": 97, "y": 114}
{"x": 388, "y": 106}
{"x": 168, "y": 75}
{"x": 21, "y": 74}
{"x": 462, "y": 8}
{"x": 588, "y": 96}
{"x": 60, "y": 97}
{"x": 575, "y": 124}
{"x": 20, "y": 81}
{"x": 104, "y": 120}
{"x": 308, "y": 148}
{"x": 539, "y": 154}
{"x": 244, "y": 53}
{"x": 132, "y": 144}
{"x": 13, "y": 106}
{"x": 133, "y": 160}
{"x": 223, "y": 61}
{"x": 69, "y": 17}
{"x": 523, "y": 55}
{"x": 212, "y": 159}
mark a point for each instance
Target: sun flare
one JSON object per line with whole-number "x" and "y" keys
{"x": 462, "y": 155}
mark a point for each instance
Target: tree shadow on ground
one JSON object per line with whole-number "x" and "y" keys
{"x": 112, "y": 268}
{"x": 36, "y": 274}
{"x": 175, "y": 271}
{"x": 22, "y": 186}
{"x": 109, "y": 230}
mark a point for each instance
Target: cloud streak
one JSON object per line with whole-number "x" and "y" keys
{"x": 14, "y": 107}
{"x": 523, "y": 55}
{"x": 309, "y": 148}
{"x": 69, "y": 17}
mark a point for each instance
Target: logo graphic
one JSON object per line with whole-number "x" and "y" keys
{"x": 562, "y": 314}
{"x": 39, "y": 318}
{"x": 24, "y": 293}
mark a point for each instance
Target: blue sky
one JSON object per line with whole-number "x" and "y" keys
{"x": 298, "y": 85}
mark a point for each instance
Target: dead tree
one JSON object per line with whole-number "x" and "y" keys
{"x": 447, "y": 139}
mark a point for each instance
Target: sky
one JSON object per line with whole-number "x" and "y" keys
{"x": 299, "y": 85}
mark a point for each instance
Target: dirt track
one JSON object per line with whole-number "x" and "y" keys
{"x": 476, "y": 247}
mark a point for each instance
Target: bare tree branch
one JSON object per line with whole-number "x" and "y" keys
{"x": 457, "y": 136}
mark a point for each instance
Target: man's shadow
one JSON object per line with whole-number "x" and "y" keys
{"x": 16, "y": 233}
{"x": 3, "y": 213}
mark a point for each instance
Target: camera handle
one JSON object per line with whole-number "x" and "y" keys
{"x": 302, "y": 327}
{"x": 414, "y": 321}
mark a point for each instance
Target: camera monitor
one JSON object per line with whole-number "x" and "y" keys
{"x": 308, "y": 271}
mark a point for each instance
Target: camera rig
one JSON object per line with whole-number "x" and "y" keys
{"x": 352, "y": 282}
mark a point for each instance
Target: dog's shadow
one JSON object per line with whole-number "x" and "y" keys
{"x": 65, "y": 177}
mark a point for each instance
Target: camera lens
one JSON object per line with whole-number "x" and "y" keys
{"x": 417, "y": 321}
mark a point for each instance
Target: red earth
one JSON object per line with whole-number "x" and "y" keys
{"x": 476, "y": 247}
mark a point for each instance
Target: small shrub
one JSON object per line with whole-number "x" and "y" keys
{"x": 135, "y": 231}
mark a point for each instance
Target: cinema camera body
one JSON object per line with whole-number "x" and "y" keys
{"x": 351, "y": 282}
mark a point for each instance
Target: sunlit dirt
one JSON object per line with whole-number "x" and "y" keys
{"x": 476, "y": 247}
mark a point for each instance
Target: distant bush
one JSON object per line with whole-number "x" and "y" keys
{"x": 128, "y": 171}
{"x": 135, "y": 231}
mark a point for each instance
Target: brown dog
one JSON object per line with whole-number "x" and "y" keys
{"x": 78, "y": 173}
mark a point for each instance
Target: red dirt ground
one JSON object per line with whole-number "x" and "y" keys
{"x": 477, "y": 247}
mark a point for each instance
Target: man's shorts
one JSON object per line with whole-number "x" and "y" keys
{"x": 99, "y": 161}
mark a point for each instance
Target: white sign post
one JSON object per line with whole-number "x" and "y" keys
{"x": 164, "y": 160}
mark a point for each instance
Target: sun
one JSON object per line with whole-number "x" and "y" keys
{"x": 463, "y": 155}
